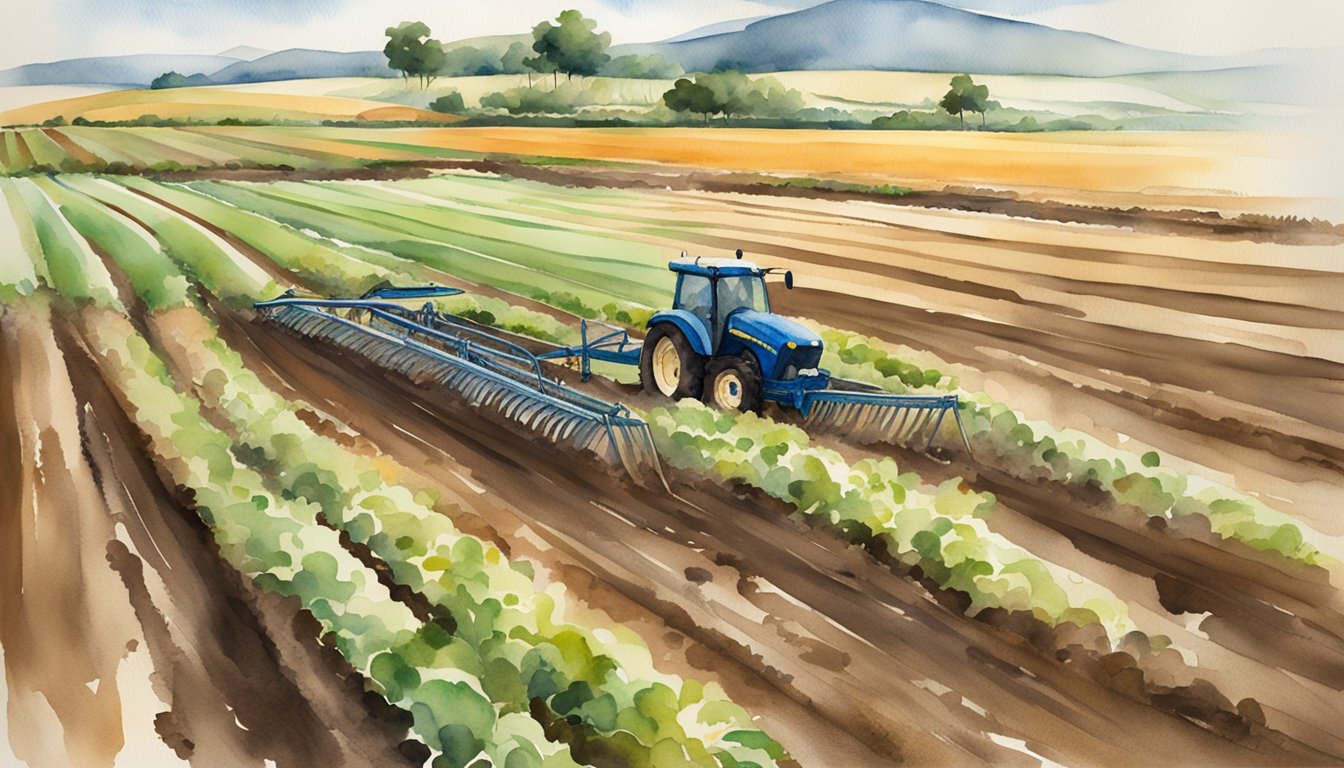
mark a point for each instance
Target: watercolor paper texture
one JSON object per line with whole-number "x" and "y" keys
{"x": 620, "y": 383}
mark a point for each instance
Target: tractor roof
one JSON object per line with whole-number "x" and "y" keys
{"x": 706, "y": 267}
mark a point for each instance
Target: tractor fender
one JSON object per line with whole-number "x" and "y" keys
{"x": 689, "y": 325}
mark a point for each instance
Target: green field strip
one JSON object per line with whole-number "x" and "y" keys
{"x": 75, "y": 271}
{"x": 448, "y": 258}
{"x": 556, "y": 209}
{"x": 212, "y": 152}
{"x": 22, "y": 267}
{"x": 21, "y": 151}
{"x": 100, "y": 142}
{"x": 236, "y": 280}
{"x": 412, "y": 151}
{"x": 518, "y": 205}
{"x": 586, "y": 260}
{"x": 14, "y": 162}
{"x": 627, "y": 207}
{"x": 4, "y": 153}
{"x": 271, "y": 153}
{"x": 256, "y": 153}
{"x": 549, "y": 235}
{"x": 279, "y": 139}
{"x": 45, "y": 151}
{"x": 149, "y": 151}
{"x": 331, "y": 272}
{"x": 153, "y": 276}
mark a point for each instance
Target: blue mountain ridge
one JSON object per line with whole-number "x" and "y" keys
{"x": 915, "y": 36}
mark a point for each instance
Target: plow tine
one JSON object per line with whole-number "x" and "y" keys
{"x": 503, "y": 383}
{"x": 868, "y": 415}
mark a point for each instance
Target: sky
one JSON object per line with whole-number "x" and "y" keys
{"x": 49, "y": 30}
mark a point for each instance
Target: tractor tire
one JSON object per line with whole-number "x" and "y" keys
{"x": 669, "y": 365}
{"x": 733, "y": 384}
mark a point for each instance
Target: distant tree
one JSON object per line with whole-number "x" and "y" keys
{"x": 467, "y": 61}
{"x": 511, "y": 63}
{"x": 695, "y": 97}
{"x": 411, "y": 51}
{"x": 965, "y": 96}
{"x": 570, "y": 45}
{"x": 176, "y": 80}
{"x": 449, "y": 103}
{"x": 733, "y": 93}
{"x": 168, "y": 80}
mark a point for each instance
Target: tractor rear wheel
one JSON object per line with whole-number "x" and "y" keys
{"x": 733, "y": 384}
{"x": 669, "y": 365}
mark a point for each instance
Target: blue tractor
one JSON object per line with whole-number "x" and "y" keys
{"x": 721, "y": 343}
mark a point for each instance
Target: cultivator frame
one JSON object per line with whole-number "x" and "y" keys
{"x": 488, "y": 371}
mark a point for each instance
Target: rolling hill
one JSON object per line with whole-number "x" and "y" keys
{"x": 914, "y": 36}
{"x": 301, "y": 64}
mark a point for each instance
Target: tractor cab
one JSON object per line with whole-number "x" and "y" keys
{"x": 713, "y": 289}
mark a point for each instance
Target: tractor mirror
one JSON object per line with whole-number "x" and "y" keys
{"x": 788, "y": 280}
{"x": 739, "y": 253}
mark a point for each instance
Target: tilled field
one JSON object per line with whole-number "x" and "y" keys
{"x": 1227, "y": 361}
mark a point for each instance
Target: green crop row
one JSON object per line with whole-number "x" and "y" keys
{"x": 941, "y": 531}
{"x": 202, "y": 257}
{"x": 346, "y": 271}
{"x": 327, "y": 269}
{"x": 279, "y": 543}
{"x": 1033, "y": 451}
{"x": 449, "y": 241}
{"x": 70, "y": 267}
{"x": 22, "y": 267}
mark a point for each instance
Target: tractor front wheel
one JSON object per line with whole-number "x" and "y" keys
{"x": 669, "y": 366}
{"x": 733, "y": 384}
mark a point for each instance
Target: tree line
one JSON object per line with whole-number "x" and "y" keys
{"x": 568, "y": 45}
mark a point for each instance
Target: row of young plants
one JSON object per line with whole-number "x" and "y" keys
{"x": 1035, "y": 450}
{"x": 512, "y": 636}
{"x": 475, "y": 248}
{"x": 279, "y": 543}
{"x": 942, "y": 531}
{"x": 341, "y": 269}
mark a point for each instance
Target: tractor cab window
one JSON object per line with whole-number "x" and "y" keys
{"x": 695, "y": 295}
{"x": 741, "y": 292}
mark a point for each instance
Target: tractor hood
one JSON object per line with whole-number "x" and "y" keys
{"x": 772, "y": 331}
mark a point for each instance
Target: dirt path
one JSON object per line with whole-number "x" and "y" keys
{"x": 821, "y": 621}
